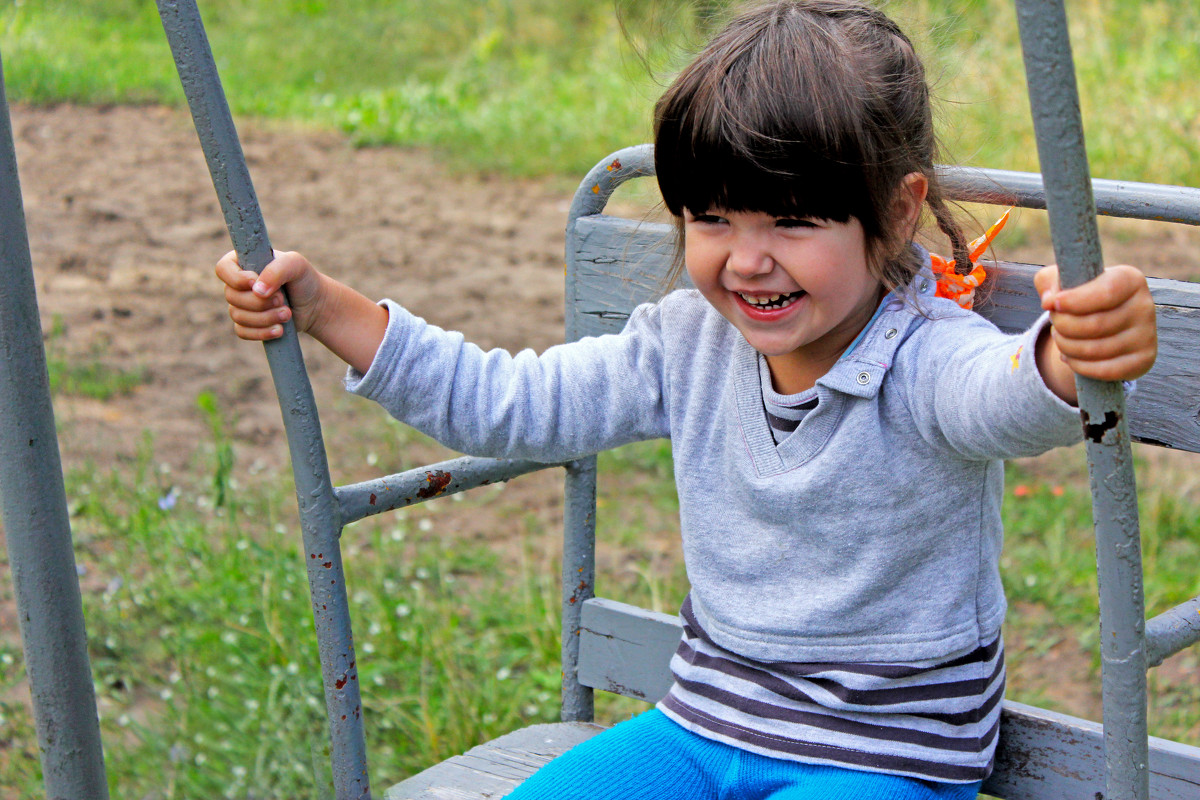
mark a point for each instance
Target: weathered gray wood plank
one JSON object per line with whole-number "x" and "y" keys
{"x": 1045, "y": 755}
{"x": 636, "y": 644}
{"x": 495, "y": 768}
{"x": 621, "y": 263}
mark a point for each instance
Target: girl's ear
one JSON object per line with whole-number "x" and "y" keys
{"x": 913, "y": 188}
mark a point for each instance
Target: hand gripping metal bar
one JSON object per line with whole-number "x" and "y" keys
{"x": 1058, "y": 124}
{"x": 320, "y": 520}
{"x": 33, "y": 506}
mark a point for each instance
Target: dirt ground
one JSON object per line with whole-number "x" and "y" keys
{"x": 124, "y": 229}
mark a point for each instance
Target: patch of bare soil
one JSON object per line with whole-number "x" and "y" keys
{"x": 125, "y": 228}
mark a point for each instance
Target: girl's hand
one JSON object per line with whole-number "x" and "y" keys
{"x": 1103, "y": 329}
{"x": 348, "y": 323}
{"x": 256, "y": 305}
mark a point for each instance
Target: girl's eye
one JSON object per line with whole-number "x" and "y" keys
{"x": 795, "y": 222}
{"x": 707, "y": 219}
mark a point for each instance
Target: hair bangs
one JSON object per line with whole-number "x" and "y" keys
{"x": 795, "y": 182}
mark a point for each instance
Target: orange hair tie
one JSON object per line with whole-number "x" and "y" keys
{"x": 961, "y": 288}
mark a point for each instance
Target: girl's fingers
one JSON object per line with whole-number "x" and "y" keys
{"x": 232, "y": 275}
{"x": 282, "y": 269}
{"x": 1125, "y": 355}
{"x": 1105, "y": 328}
{"x": 285, "y": 268}
{"x": 1045, "y": 282}
{"x": 1129, "y": 340}
{"x": 1109, "y": 290}
{"x": 1127, "y": 367}
{"x": 258, "y": 334}
{"x": 1101, "y": 324}
{"x": 259, "y": 319}
{"x": 249, "y": 301}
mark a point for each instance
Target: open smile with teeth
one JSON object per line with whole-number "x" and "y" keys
{"x": 772, "y": 301}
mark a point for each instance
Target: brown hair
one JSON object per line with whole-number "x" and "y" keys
{"x": 815, "y": 108}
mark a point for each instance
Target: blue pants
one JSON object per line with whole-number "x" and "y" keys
{"x": 650, "y": 757}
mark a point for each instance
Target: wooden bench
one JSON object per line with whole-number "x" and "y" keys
{"x": 613, "y": 264}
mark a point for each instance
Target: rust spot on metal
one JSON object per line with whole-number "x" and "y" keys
{"x": 575, "y": 595}
{"x": 1094, "y": 432}
{"x": 372, "y": 500}
{"x": 596, "y": 189}
{"x": 327, "y": 564}
{"x": 343, "y": 716}
{"x": 615, "y": 165}
{"x": 340, "y": 682}
{"x": 438, "y": 481}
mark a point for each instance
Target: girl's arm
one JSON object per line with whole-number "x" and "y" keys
{"x": 1103, "y": 329}
{"x": 348, "y": 323}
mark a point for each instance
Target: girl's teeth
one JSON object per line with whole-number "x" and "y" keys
{"x": 771, "y": 300}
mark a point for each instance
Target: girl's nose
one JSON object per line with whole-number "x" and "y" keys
{"x": 747, "y": 258}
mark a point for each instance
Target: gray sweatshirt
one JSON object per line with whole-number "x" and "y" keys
{"x": 872, "y": 533}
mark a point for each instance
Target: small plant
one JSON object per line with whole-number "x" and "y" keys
{"x": 223, "y": 457}
{"x": 94, "y": 378}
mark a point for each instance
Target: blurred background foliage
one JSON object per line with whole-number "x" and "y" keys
{"x": 542, "y": 86}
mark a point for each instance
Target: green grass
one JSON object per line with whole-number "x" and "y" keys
{"x": 93, "y": 376}
{"x": 94, "y": 379}
{"x": 541, "y": 87}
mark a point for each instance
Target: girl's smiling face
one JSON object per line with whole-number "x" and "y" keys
{"x": 798, "y": 288}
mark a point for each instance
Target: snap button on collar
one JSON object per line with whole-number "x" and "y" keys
{"x": 891, "y": 333}
{"x": 864, "y": 378}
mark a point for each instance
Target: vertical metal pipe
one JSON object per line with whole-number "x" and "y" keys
{"x": 578, "y": 581}
{"x": 1058, "y": 123}
{"x": 320, "y": 519}
{"x": 33, "y": 506}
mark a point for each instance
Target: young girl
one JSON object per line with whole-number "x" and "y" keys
{"x": 838, "y": 430}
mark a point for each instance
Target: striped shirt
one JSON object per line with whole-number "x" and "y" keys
{"x": 933, "y": 720}
{"x": 785, "y": 412}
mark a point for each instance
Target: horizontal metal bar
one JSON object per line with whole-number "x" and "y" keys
{"x": 1172, "y": 631}
{"x": 359, "y": 500}
{"x": 1113, "y": 198}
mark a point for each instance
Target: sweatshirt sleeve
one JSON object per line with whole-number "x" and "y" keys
{"x": 984, "y": 397}
{"x": 572, "y": 400}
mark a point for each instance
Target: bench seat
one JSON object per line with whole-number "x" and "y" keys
{"x": 495, "y": 768}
